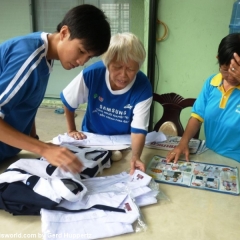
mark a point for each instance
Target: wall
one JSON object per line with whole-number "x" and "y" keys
{"x": 188, "y": 55}
{"x": 14, "y": 18}
{"x": 139, "y": 12}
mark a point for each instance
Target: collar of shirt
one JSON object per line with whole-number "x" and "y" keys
{"x": 217, "y": 81}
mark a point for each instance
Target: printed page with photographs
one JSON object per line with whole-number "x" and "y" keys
{"x": 205, "y": 176}
{"x": 196, "y": 146}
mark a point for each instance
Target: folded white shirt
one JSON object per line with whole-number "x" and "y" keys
{"x": 93, "y": 223}
{"x": 147, "y": 198}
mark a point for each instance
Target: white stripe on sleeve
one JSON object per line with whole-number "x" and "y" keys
{"x": 76, "y": 91}
{"x": 141, "y": 114}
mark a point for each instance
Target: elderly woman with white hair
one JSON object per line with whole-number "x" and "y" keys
{"x": 118, "y": 94}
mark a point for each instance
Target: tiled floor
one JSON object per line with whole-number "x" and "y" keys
{"x": 49, "y": 124}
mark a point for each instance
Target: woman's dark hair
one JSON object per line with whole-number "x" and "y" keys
{"x": 88, "y": 23}
{"x": 228, "y": 45}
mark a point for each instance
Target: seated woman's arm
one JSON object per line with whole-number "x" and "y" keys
{"x": 138, "y": 141}
{"x": 182, "y": 148}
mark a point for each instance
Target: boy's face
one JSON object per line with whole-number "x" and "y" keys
{"x": 71, "y": 53}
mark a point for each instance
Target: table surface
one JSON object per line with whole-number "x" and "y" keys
{"x": 190, "y": 213}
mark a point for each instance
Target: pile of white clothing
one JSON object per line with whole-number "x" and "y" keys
{"x": 119, "y": 191}
{"x": 101, "y": 206}
{"x": 109, "y": 142}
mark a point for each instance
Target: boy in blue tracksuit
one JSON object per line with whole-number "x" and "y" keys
{"x": 26, "y": 63}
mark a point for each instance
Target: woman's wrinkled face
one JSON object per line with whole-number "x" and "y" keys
{"x": 121, "y": 74}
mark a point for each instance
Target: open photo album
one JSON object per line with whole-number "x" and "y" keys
{"x": 204, "y": 176}
{"x": 196, "y": 146}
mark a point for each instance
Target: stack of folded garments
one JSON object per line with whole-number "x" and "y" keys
{"x": 78, "y": 206}
{"x": 28, "y": 185}
{"x": 120, "y": 191}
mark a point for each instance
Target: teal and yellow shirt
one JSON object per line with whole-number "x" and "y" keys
{"x": 220, "y": 112}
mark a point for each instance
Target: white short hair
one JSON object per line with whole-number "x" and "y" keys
{"x": 125, "y": 46}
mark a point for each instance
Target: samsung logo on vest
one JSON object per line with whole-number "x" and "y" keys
{"x": 128, "y": 106}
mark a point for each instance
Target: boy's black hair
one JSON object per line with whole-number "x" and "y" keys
{"x": 88, "y": 23}
{"x": 228, "y": 45}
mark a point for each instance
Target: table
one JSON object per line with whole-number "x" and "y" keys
{"x": 190, "y": 213}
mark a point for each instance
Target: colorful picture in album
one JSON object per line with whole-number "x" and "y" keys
{"x": 172, "y": 176}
